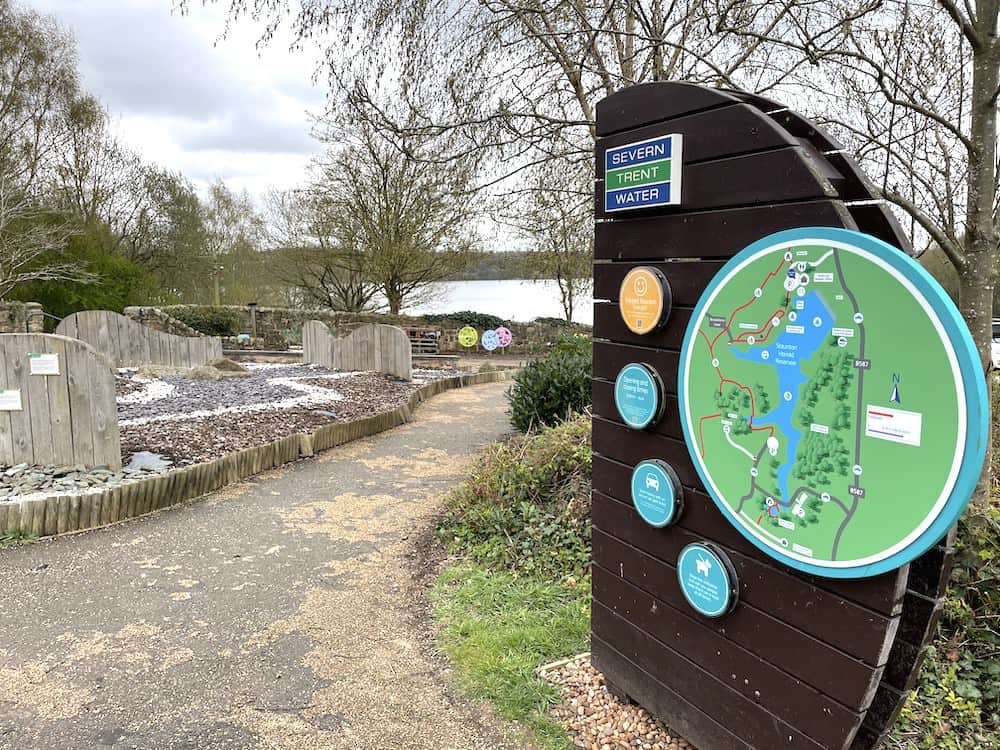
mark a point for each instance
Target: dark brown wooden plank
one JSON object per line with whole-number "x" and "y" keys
{"x": 746, "y": 719}
{"x": 647, "y": 103}
{"x": 783, "y": 175}
{"x": 878, "y": 220}
{"x": 629, "y": 447}
{"x": 687, "y": 279}
{"x": 787, "y": 697}
{"x": 729, "y": 131}
{"x": 844, "y": 625}
{"x": 882, "y": 594}
{"x": 608, "y": 324}
{"x": 885, "y": 709}
{"x": 828, "y": 669}
{"x": 710, "y": 234}
{"x": 603, "y": 399}
{"x": 686, "y": 720}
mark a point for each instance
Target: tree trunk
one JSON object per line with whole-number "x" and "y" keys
{"x": 978, "y": 276}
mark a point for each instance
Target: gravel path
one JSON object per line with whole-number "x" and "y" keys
{"x": 276, "y": 614}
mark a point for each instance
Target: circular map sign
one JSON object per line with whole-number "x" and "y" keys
{"x": 644, "y": 299}
{"x": 639, "y": 396}
{"x": 468, "y": 336}
{"x": 707, "y": 579}
{"x": 490, "y": 340}
{"x": 505, "y": 336}
{"x": 833, "y": 402}
{"x": 657, "y": 492}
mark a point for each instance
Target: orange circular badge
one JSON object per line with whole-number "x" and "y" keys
{"x": 644, "y": 299}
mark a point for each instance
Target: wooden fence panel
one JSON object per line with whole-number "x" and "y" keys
{"x": 127, "y": 343}
{"x": 370, "y": 348}
{"x": 66, "y": 418}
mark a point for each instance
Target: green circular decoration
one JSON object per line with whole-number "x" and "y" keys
{"x": 468, "y": 336}
{"x": 833, "y": 402}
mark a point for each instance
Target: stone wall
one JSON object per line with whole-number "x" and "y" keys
{"x": 277, "y": 327}
{"x": 158, "y": 320}
{"x": 21, "y": 317}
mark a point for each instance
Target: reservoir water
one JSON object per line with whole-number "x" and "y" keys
{"x": 803, "y": 331}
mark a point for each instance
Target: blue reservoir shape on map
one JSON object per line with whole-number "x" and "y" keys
{"x": 785, "y": 355}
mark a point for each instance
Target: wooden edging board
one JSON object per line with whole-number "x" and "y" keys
{"x": 62, "y": 514}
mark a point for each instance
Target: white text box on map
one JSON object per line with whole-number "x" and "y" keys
{"x": 895, "y": 425}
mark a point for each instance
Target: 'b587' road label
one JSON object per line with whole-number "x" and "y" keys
{"x": 833, "y": 402}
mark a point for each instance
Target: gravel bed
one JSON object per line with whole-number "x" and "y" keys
{"x": 186, "y": 440}
{"x": 191, "y": 441}
{"x": 596, "y": 720}
{"x": 266, "y": 386}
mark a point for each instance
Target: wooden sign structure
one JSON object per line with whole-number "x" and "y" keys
{"x": 693, "y": 617}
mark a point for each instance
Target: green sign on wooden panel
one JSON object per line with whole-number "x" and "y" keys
{"x": 833, "y": 402}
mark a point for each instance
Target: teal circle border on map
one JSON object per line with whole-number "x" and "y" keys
{"x": 970, "y": 370}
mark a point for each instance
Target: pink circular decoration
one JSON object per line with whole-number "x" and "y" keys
{"x": 505, "y": 336}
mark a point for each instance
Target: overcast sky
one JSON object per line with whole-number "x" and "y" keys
{"x": 192, "y": 102}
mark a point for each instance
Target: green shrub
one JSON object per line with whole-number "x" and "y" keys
{"x": 526, "y": 507}
{"x": 212, "y": 321}
{"x": 479, "y": 321}
{"x": 956, "y": 703}
{"x": 549, "y": 390}
{"x": 577, "y": 344}
{"x": 546, "y": 321}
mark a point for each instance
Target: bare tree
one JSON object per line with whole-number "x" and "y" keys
{"x": 912, "y": 88}
{"x": 517, "y": 82}
{"x": 98, "y": 179}
{"x": 29, "y": 235}
{"x": 407, "y": 216}
{"x": 555, "y": 219}
{"x": 39, "y": 97}
{"x": 314, "y": 253}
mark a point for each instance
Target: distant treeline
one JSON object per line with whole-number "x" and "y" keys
{"x": 513, "y": 264}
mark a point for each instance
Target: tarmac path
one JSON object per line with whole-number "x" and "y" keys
{"x": 282, "y": 612}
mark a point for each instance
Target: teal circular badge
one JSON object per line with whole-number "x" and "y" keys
{"x": 707, "y": 579}
{"x": 639, "y": 396}
{"x": 657, "y": 493}
{"x": 833, "y": 402}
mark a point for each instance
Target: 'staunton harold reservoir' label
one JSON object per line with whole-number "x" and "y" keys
{"x": 832, "y": 401}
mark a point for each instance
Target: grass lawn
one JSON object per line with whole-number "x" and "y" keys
{"x": 498, "y": 628}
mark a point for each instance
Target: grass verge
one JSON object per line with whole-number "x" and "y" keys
{"x": 13, "y": 537}
{"x": 498, "y": 628}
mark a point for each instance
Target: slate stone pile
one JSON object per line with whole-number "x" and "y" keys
{"x": 25, "y": 479}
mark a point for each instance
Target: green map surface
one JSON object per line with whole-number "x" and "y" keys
{"x": 824, "y": 402}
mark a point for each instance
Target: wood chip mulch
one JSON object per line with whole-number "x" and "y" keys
{"x": 596, "y": 720}
{"x": 190, "y": 441}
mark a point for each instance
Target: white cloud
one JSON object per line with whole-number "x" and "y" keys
{"x": 190, "y": 101}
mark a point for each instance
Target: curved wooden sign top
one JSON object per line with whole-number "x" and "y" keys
{"x": 801, "y": 661}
